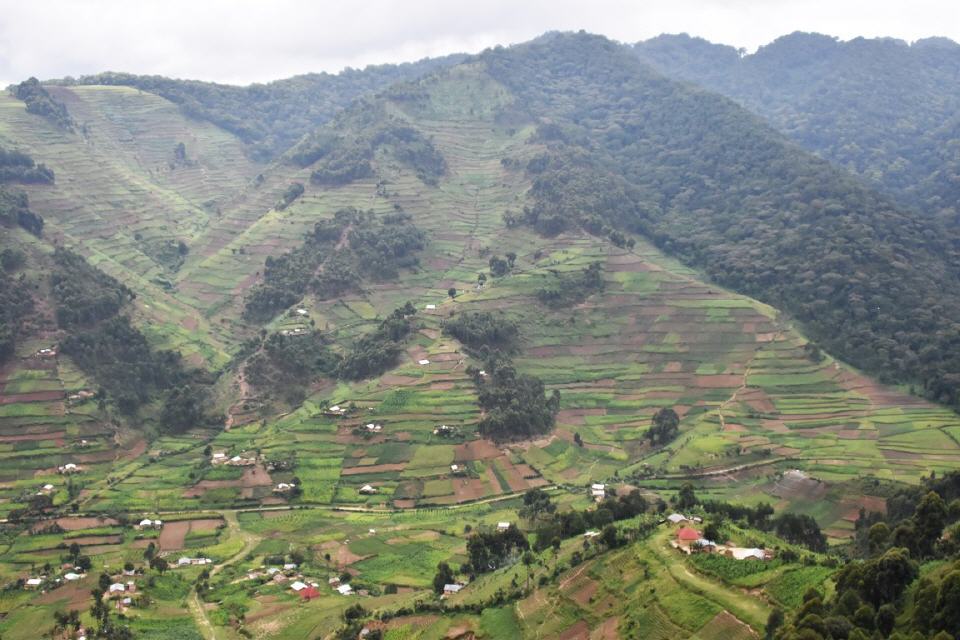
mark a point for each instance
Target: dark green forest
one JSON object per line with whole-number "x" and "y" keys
{"x": 39, "y": 101}
{"x": 16, "y": 166}
{"x": 337, "y": 256}
{"x": 710, "y": 183}
{"x": 881, "y": 108}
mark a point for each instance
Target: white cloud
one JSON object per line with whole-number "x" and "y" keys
{"x": 241, "y": 41}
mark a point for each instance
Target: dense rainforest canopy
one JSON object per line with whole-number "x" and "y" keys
{"x": 881, "y": 108}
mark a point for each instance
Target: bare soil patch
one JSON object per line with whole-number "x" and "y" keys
{"x": 173, "y": 533}
{"x": 476, "y": 450}
{"x": 579, "y": 631}
{"x": 77, "y": 523}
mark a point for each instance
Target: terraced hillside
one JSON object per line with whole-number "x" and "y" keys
{"x": 377, "y": 479}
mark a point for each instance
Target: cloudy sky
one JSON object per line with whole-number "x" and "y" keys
{"x": 243, "y": 41}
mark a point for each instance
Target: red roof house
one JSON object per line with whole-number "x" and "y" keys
{"x": 310, "y": 593}
{"x": 688, "y": 534}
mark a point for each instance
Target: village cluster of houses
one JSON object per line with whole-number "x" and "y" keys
{"x": 306, "y": 588}
{"x": 220, "y": 457}
{"x": 690, "y": 540}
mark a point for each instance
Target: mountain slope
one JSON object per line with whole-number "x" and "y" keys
{"x": 714, "y": 186}
{"x": 272, "y": 116}
{"x": 880, "y": 108}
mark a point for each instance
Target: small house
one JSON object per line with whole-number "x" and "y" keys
{"x": 740, "y": 553}
{"x": 423, "y": 362}
{"x": 687, "y": 536}
{"x": 279, "y": 578}
{"x": 284, "y": 487}
{"x": 450, "y": 589}
{"x": 290, "y": 566}
{"x": 368, "y": 490}
{"x": 309, "y": 593}
{"x": 334, "y": 581}
{"x": 598, "y": 491}
{"x": 431, "y": 307}
{"x": 218, "y": 458}
{"x": 374, "y": 428}
{"x": 116, "y": 589}
{"x": 33, "y": 583}
{"x": 183, "y": 562}
{"x": 298, "y": 586}
{"x": 71, "y": 576}
{"x": 457, "y": 470}
{"x": 676, "y": 518}
{"x": 591, "y": 534}
{"x": 345, "y": 590}
{"x": 302, "y": 312}
{"x": 47, "y": 353}
{"x": 69, "y": 468}
{"x": 503, "y": 526}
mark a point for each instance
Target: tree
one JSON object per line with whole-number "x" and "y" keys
{"x": 498, "y": 266}
{"x": 528, "y": 559}
{"x": 481, "y": 279}
{"x": 930, "y": 518}
{"x": 664, "y": 427}
{"x": 536, "y": 502}
{"x": 774, "y": 622}
{"x": 511, "y": 259}
{"x": 452, "y": 292}
{"x": 686, "y": 498}
{"x": 443, "y": 577}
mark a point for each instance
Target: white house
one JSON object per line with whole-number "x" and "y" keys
{"x": 368, "y": 490}
{"x": 503, "y": 526}
{"x": 33, "y": 583}
{"x": 598, "y": 491}
{"x": 431, "y": 307}
{"x": 298, "y": 586}
{"x": 676, "y": 518}
{"x": 117, "y": 587}
{"x": 68, "y": 468}
{"x": 71, "y": 576}
{"x": 290, "y": 566}
{"x": 591, "y": 534}
{"x": 345, "y": 590}
{"x": 741, "y": 553}
{"x": 183, "y": 562}
{"x": 457, "y": 469}
{"x": 374, "y": 428}
{"x": 450, "y": 589}
{"x": 423, "y": 362}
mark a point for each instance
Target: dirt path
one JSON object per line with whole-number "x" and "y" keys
{"x": 197, "y": 610}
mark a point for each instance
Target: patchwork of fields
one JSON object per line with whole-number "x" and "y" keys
{"x": 763, "y": 417}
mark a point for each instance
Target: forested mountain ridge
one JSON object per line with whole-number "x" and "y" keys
{"x": 883, "y": 109}
{"x": 711, "y": 184}
{"x": 271, "y": 117}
